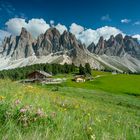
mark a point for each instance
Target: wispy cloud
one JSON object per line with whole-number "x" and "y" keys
{"x": 106, "y": 18}
{"x": 126, "y": 20}
{"x": 7, "y": 9}
{"x": 137, "y": 23}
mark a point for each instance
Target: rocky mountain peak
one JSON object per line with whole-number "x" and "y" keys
{"x": 116, "y": 46}
{"x": 101, "y": 42}
{"x": 25, "y": 34}
{"x": 53, "y": 45}
{"x": 92, "y": 47}
{"x": 51, "y": 33}
{"x": 112, "y": 38}
{"x": 101, "y": 39}
{"x": 119, "y": 39}
{"x": 119, "y": 36}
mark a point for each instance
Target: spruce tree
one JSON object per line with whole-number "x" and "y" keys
{"x": 87, "y": 69}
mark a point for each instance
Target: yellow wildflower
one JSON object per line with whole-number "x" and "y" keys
{"x": 65, "y": 109}
{"x": 93, "y": 137}
{"x": 89, "y": 128}
{"x": 88, "y": 114}
{"x": 2, "y": 97}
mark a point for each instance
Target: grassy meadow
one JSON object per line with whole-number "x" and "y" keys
{"x": 106, "y": 108}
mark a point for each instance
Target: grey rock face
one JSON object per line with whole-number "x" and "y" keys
{"x": 101, "y": 46}
{"x": 23, "y": 48}
{"x": 18, "y": 47}
{"x": 51, "y": 42}
{"x": 48, "y": 43}
{"x": 116, "y": 46}
{"x": 132, "y": 46}
{"x": 9, "y": 45}
{"x": 92, "y": 47}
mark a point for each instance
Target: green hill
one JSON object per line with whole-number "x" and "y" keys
{"x": 107, "y": 108}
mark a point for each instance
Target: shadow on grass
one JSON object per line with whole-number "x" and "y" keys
{"x": 132, "y": 94}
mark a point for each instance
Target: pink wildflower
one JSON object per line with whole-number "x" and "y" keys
{"x": 17, "y": 102}
{"x": 40, "y": 112}
{"x": 23, "y": 110}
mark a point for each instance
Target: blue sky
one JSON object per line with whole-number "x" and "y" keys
{"x": 122, "y": 14}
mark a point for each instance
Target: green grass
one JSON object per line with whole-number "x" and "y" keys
{"x": 107, "y": 108}
{"x": 118, "y": 84}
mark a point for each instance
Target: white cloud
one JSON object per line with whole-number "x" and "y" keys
{"x": 106, "y": 18}
{"x": 137, "y": 23}
{"x": 125, "y": 20}
{"x": 37, "y": 26}
{"x": 61, "y": 28}
{"x": 14, "y": 25}
{"x": 3, "y": 34}
{"x": 34, "y": 26}
{"x": 87, "y": 36}
{"x": 76, "y": 29}
{"x": 107, "y": 31}
{"x": 136, "y": 36}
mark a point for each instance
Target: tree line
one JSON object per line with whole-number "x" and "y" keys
{"x": 22, "y": 72}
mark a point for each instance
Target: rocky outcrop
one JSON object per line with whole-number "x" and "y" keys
{"x": 132, "y": 46}
{"x": 9, "y": 44}
{"x": 18, "y": 47}
{"x": 92, "y": 47}
{"x": 51, "y": 42}
{"x": 116, "y": 46}
{"x": 48, "y": 43}
{"x": 101, "y": 46}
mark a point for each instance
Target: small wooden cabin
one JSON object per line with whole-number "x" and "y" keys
{"x": 39, "y": 75}
{"x": 79, "y": 78}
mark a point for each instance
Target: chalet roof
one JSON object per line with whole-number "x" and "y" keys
{"x": 44, "y": 73}
{"x": 41, "y": 72}
{"x": 79, "y": 76}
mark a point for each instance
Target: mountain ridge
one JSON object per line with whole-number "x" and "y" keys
{"x": 53, "y": 47}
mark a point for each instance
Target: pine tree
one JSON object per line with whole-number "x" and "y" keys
{"x": 81, "y": 70}
{"x": 87, "y": 68}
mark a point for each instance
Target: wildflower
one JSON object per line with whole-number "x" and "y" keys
{"x": 17, "y": 102}
{"x": 90, "y": 128}
{"x": 40, "y": 112}
{"x": 88, "y": 114}
{"x": 63, "y": 104}
{"x": 65, "y": 109}
{"x": 93, "y": 137}
{"x": 23, "y": 110}
{"x": 2, "y": 97}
